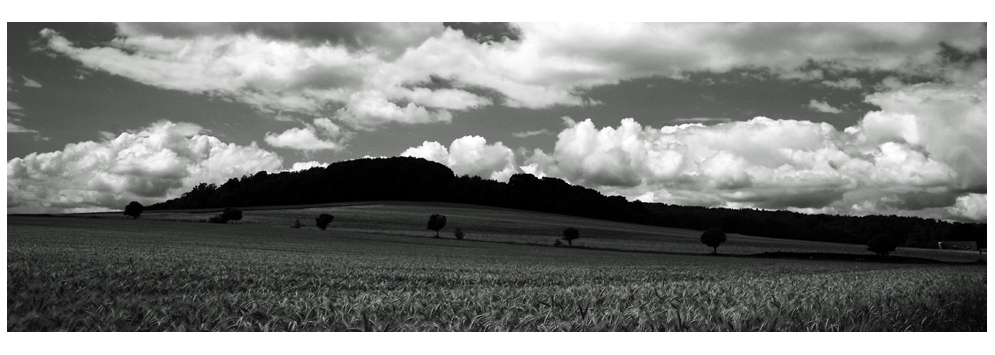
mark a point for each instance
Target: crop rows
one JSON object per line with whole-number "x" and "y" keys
{"x": 246, "y": 279}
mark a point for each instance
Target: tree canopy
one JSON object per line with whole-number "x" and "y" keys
{"x": 882, "y": 244}
{"x": 436, "y": 222}
{"x": 416, "y": 179}
{"x": 323, "y": 220}
{"x": 713, "y": 237}
{"x": 134, "y": 209}
{"x": 570, "y": 234}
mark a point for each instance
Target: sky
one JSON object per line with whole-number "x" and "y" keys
{"x": 839, "y": 118}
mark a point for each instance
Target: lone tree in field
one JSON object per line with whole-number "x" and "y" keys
{"x": 134, "y": 209}
{"x": 570, "y": 234}
{"x": 231, "y": 214}
{"x": 713, "y": 238}
{"x": 436, "y": 222}
{"x": 882, "y": 244}
{"x": 323, "y": 220}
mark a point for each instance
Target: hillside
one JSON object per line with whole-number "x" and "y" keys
{"x": 415, "y": 179}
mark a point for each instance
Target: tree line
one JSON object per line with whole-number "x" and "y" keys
{"x": 416, "y": 179}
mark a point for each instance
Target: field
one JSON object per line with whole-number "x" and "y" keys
{"x": 377, "y": 269}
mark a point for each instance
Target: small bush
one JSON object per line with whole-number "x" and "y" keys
{"x": 458, "y": 233}
{"x": 231, "y": 214}
{"x": 323, "y": 220}
{"x": 882, "y": 244}
{"x": 296, "y": 225}
{"x": 570, "y": 234}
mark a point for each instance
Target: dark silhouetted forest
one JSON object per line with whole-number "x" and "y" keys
{"x": 415, "y": 179}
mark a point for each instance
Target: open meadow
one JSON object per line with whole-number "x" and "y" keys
{"x": 377, "y": 268}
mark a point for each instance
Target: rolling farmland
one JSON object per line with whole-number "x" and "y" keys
{"x": 376, "y": 268}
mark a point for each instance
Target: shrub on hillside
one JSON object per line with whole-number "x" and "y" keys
{"x": 882, "y": 244}
{"x": 231, "y": 214}
{"x": 323, "y": 220}
{"x": 228, "y": 215}
{"x": 436, "y": 222}
{"x": 570, "y": 234}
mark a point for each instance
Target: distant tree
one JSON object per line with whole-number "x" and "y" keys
{"x": 436, "y": 222}
{"x": 882, "y": 244}
{"x": 981, "y": 238}
{"x": 458, "y": 233}
{"x": 231, "y": 214}
{"x": 134, "y": 209}
{"x": 570, "y": 234}
{"x": 713, "y": 238}
{"x": 296, "y": 225}
{"x": 323, "y": 220}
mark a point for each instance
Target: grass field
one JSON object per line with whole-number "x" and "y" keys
{"x": 377, "y": 269}
{"x": 531, "y": 228}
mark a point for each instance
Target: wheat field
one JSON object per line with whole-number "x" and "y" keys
{"x": 377, "y": 269}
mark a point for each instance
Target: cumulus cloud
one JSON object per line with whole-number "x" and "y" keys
{"x": 275, "y": 70}
{"x": 299, "y": 166}
{"x": 389, "y": 39}
{"x": 822, "y": 106}
{"x": 367, "y": 75}
{"x": 530, "y": 133}
{"x": 973, "y": 207}
{"x": 309, "y": 137}
{"x": 156, "y": 163}
{"x": 844, "y": 84}
{"x": 924, "y": 153}
{"x": 470, "y": 155}
{"x": 702, "y": 120}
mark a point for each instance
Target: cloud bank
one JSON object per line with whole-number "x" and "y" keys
{"x": 366, "y": 75}
{"x": 156, "y": 163}
{"x": 470, "y": 155}
{"x": 822, "y": 106}
{"x": 310, "y": 138}
{"x": 923, "y": 154}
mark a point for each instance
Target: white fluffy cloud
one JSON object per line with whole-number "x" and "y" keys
{"x": 299, "y": 166}
{"x": 470, "y": 155}
{"x": 309, "y": 138}
{"x": 924, "y": 153}
{"x": 822, "y": 106}
{"x": 157, "y": 163}
{"x": 530, "y": 133}
{"x": 845, "y": 84}
{"x": 372, "y": 74}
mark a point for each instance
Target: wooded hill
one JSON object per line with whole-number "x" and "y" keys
{"x": 416, "y": 179}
